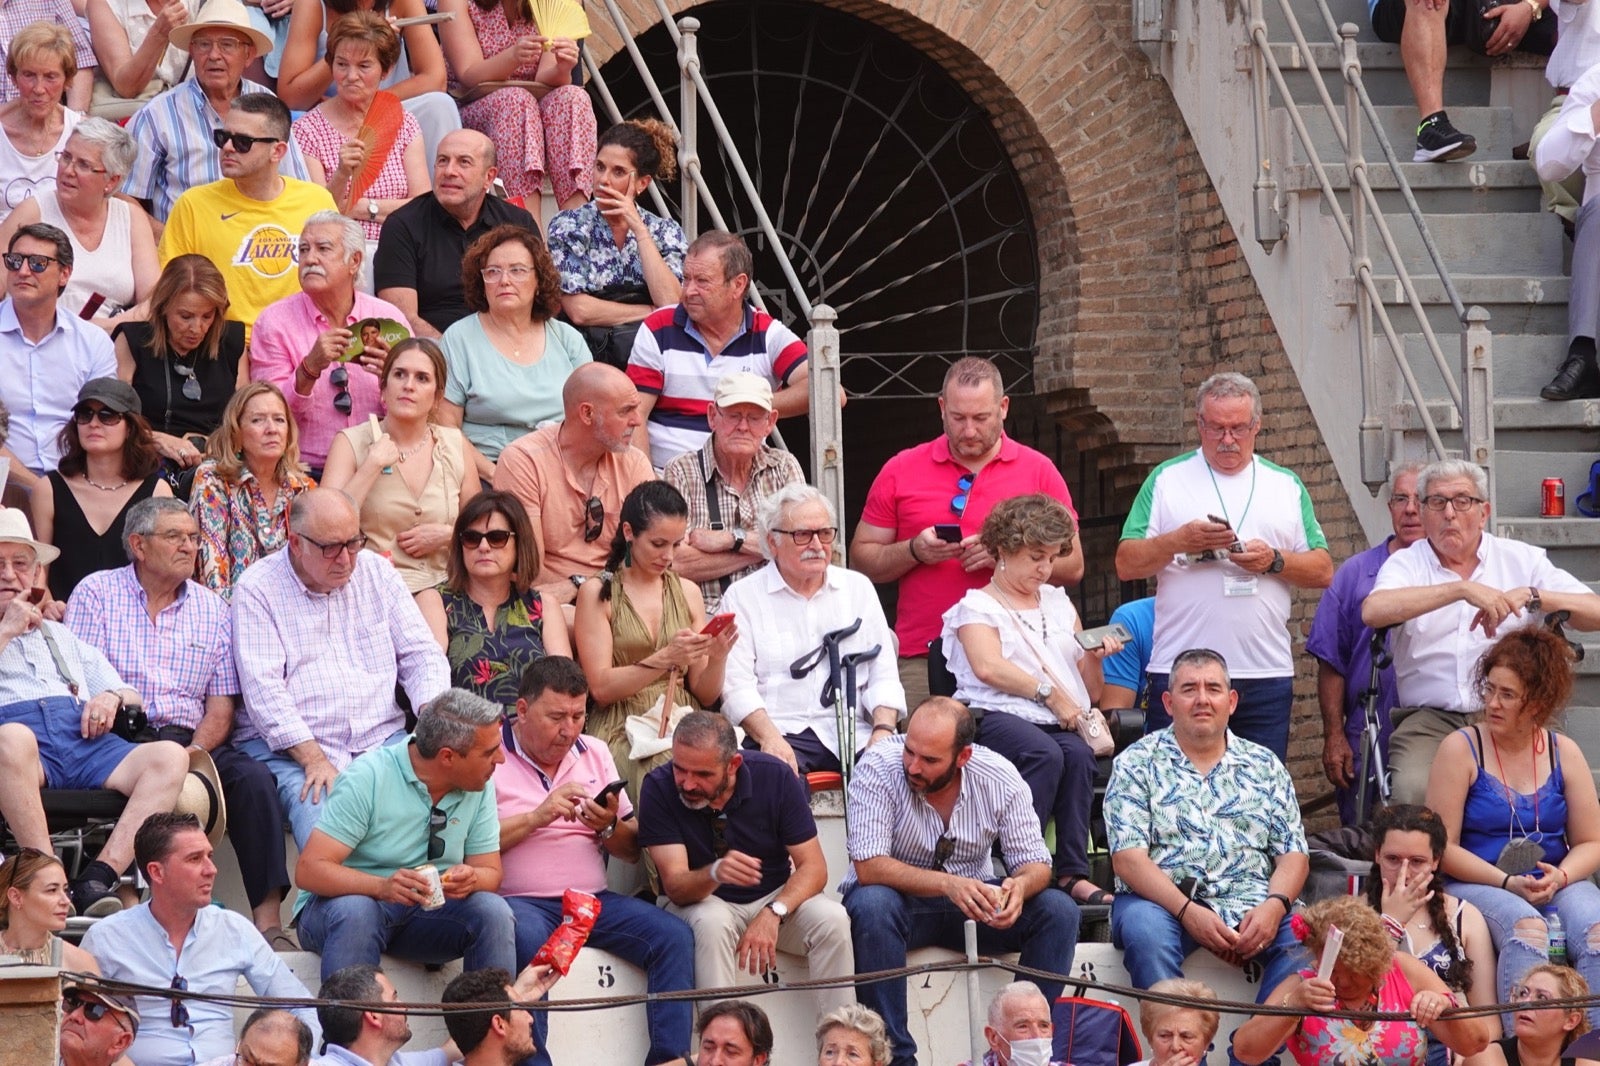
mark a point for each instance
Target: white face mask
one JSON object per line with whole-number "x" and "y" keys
{"x": 1035, "y": 1052}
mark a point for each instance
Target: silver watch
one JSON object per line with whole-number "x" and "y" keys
{"x": 1043, "y": 693}
{"x": 780, "y": 908}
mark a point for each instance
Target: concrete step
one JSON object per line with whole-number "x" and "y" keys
{"x": 1517, "y": 304}
{"x": 1570, "y": 542}
{"x": 1312, "y": 23}
{"x": 1519, "y": 418}
{"x": 1523, "y": 364}
{"x": 1522, "y": 244}
{"x": 1493, "y": 127}
{"x": 1494, "y": 185}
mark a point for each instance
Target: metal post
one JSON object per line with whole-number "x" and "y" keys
{"x": 688, "y": 121}
{"x": 975, "y": 1012}
{"x": 1373, "y": 444}
{"x": 1269, "y": 219}
{"x": 827, "y": 420}
{"x": 1477, "y": 378}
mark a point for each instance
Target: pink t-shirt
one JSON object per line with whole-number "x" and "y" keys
{"x": 914, "y": 491}
{"x": 564, "y": 854}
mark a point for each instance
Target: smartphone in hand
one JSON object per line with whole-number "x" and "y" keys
{"x": 1090, "y": 639}
{"x": 948, "y": 532}
{"x": 717, "y": 624}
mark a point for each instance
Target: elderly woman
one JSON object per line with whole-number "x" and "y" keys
{"x": 852, "y": 1035}
{"x": 243, "y": 489}
{"x": 782, "y": 614}
{"x": 1013, "y": 649}
{"x": 617, "y": 260}
{"x": 132, "y": 39}
{"x": 1519, "y": 807}
{"x": 108, "y": 234}
{"x": 509, "y": 361}
{"x": 1177, "y": 1036}
{"x": 34, "y": 907}
{"x": 487, "y": 615}
{"x": 34, "y": 126}
{"x": 361, "y": 142}
{"x": 1541, "y": 1035}
{"x": 548, "y": 130}
{"x": 1369, "y": 975}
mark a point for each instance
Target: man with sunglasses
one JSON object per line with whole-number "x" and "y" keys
{"x": 247, "y": 222}
{"x": 1231, "y": 537}
{"x": 322, "y": 632}
{"x": 919, "y": 527}
{"x": 96, "y": 1027}
{"x": 46, "y": 354}
{"x": 736, "y": 847}
{"x": 303, "y": 342}
{"x": 1451, "y": 594}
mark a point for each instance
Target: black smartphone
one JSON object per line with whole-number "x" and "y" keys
{"x": 948, "y": 532}
{"x": 1237, "y": 545}
{"x": 609, "y": 791}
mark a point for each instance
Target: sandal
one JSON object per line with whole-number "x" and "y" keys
{"x": 1098, "y": 898}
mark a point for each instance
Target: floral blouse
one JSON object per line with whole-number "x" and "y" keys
{"x": 587, "y": 255}
{"x": 491, "y": 664}
{"x": 237, "y": 523}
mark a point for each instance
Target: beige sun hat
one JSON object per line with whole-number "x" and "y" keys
{"x": 223, "y": 14}
{"x": 202, "y": 797}
{"x": 14, "y": 529}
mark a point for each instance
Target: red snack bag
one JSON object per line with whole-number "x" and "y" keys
{"x": 580, "y": 911}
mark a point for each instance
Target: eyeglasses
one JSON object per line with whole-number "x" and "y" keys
{"x": 1224, "y": 432}
{"x": 1402, "y": 501}
{"x": 36, "y": 263}
{"x": 331, "y": 551}
{"x": 497, "y": 538}
{"x": 93, "y": 1009}
{"x": 242, "y": 142}
{"x": 742, "y": 418}
{"x": 942, "y": 850}
{"x": 191, "y": 384}
{"x": 1524, "y": 994}
{"x": 719, "y": 834}
{"x": 339, "y": 378}
{"x": 437, "y": 820}
{"x": 77, "y": 165}
{"x": 178, "y": 536}
{"x": 803, "y": 537}
{"x": 107, "y": 417}
{"x": 228, "y": 46}
{"x": 958, "y": 503}
{"x": 1460, "y": 503}
{"x": 180, "y": 1009}
{"x": 594, "y": 516}
{"x": 517, "y": 273}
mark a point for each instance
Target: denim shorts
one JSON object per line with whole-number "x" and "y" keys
{"x": 69, "y": 760}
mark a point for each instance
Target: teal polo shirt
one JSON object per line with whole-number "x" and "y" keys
{"x": 379, "y": 809}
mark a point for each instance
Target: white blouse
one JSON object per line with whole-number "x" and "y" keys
{"x": 1021, "y": 647}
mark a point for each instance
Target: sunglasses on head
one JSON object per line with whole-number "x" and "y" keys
{"x": 84, "y": 415}
{"x": 242, "y": 142}
{"x": 36, "y": 263}
{"x": 497, "y": 538}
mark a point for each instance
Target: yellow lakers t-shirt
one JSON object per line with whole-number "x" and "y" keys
{"x": 254, "y": 243}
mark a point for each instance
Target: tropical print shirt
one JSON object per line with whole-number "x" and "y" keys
{"x": 491, "y": 663}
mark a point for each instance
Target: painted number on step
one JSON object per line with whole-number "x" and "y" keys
{"x": 1478, "y": 175}
{"x": 607, "y": 978}
{"x": 771, "y": 978}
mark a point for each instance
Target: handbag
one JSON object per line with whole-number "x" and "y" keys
{"x": 614, "y": 344}
{"x": 1091, "y": 725}
{"x": 650, "y": 732}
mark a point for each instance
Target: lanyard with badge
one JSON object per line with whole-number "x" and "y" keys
{"x": 1242, "y": 583}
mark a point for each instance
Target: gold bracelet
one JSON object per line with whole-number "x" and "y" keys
{"x": 1538, "y": 12}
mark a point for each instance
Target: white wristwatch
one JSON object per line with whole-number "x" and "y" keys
{"x": 372, "y": 209}
{"x": 1043, "y": 693}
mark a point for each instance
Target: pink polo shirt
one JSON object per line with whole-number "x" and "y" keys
{"x": 564, "y": 854}
{"x": 281, "y": 338}
{"x": 913, "y": 491}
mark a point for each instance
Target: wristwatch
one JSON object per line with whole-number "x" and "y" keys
{"x": 1043, "y": 693}
{"x": 780, "y": 908}
{"x": 1277, "y": 562}
{"x": 738, "y": 540}
{"x": 372, "y": 209}
{"x": 1534, "y": 603}
{"x": 578, "y": 580}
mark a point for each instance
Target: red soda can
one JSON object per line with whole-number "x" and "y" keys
{"x": 1553, "y": 498}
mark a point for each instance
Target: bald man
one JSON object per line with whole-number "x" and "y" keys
{"x": 322, "y": 631}
{"x": 418, "y": 263}
{"x": 572, "y": 476}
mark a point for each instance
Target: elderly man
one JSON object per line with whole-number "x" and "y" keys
{"x": 733, "y": 1032}
{"x": 177, "y": 939}
{"x": 322, "y": 631}
{"x": 1230, "y": 535}
{"x": 59, "y": 699}
{"x": 790, "y": 611}
{"x": 1020, "y": 1031}
{"x": 1343, "y": 647}
{"x": 417, "y": 266}
{"x": 248, "y": 222}
{"x": 1451, "y": 594}
{"x": 726, "y": 482}
{"x": 46, "y": 354}
{"x": 270, "y": 1036}
{"x": 682, "y": 351}
{"x": 734, "y": 842}
{"x": 1206, "y": 838}
{"x": 572, "y": 476}
{"x": 555, "y": 834}
{"x": 96, "y": 1027}
{"x": 302, "y": 342}
{"x": 171, "y": 639}
{"x": 175, "y": 129}
{"x": 953, "y": 480}
{"x": 926, "y": 811}
{"x": 431, "y": 801}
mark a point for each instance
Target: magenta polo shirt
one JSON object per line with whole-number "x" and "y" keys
{"x": 913, "y": 491}
{"x": 564, "y": 854}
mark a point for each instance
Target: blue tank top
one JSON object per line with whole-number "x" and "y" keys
{"x": 1494, "y": 815}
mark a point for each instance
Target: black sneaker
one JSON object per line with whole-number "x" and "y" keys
{"x": 94, "y": 895}
{"x": 1440, "y": 142}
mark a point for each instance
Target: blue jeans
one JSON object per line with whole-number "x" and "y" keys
{"x": 637, "y": 932}
{"x": 1579, "y": 907}
{"x": 302, "y": 813}
{"x": 1154, "y": 945}
{"x": 885, "y": 925}
{"x": 345, "y": 930}
{"x": 1262, "y": 714}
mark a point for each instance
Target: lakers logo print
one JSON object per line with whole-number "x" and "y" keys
{"x": 269, "y": 250}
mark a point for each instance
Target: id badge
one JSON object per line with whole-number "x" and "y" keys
{"x": 1240, "y": 584}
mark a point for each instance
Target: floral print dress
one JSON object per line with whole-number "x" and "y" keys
{"x": 491, "y": 663}
{"x": 238, "y": 525}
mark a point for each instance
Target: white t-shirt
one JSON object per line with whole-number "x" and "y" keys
{"x": 1219, "y": 605}
{"x": 1435, "y": 653}
{"x": 1021, "y": 647}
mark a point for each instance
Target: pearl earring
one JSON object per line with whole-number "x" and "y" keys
{"x": 1002, "y": 566}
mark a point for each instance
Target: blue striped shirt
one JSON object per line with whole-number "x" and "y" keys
{"x": 176, "y": 153}
{"x": 888, "y": 818}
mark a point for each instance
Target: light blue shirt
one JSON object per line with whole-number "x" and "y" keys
{"x": 221, "y": 947}
{"x": 338, "y": 1056}
{"x": 28, "y": 670}
{"x": 39, "y": 383}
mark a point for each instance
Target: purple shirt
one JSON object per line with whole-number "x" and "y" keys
{"x": 281, "y": 338}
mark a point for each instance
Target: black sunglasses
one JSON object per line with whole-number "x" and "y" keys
{"x": 942, "y": 851}
{"x": 36, "y": 263}
{"x": 93, "y": 1009}
{"x": 958, "y": 503}
{"x": 242, "y": 142}
{"x": 339, "y": 378}
{"x": 84, "y": 415}
{"x": 437, "y": 820}
{"x": 594, "y": 516}
{"x": 497, "y": 538}
{"x": 191, "y": 384}
{"x": 719, "y": 834}
{"x": 180, "y": 1009}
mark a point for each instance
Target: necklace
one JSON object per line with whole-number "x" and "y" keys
{"x": 1044, "y": 622}
{"x": 1514, "y": 817}
{"x": 40, "y": 954}
{"x": 510, "y": 337}
{"x": 118, "y": 487}
{"x": 415, "y": 448}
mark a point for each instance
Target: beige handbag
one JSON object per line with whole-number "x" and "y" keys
{"x": 1091, "y": 725}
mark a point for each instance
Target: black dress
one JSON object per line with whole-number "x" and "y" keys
{"x": 83, "y": 551}
{"x": 160, "y": 386}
